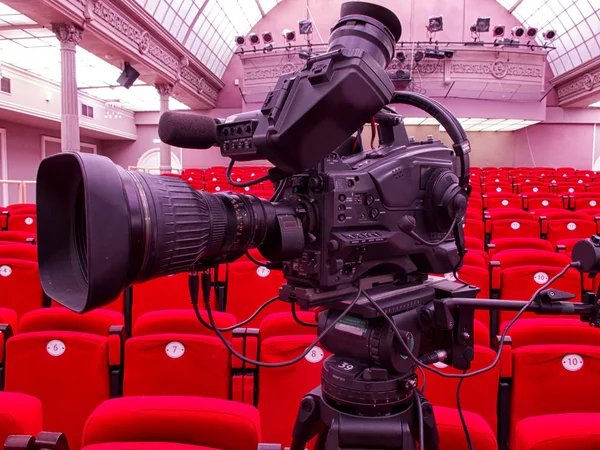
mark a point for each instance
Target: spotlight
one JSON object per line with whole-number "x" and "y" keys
{"x": 128, "y": 76}
{"x": 419, "y": 55}
{"x": 434, "y": 53}
{"x": 436, "y": 23}
{"x": 289, "y": 35}
{"x": 267, "y": 37}
{"x": 549, "y": 35}
{"x": 482, "y": 24}
{"x": 254, "y": 39}
{"x": 532, "y": 32}
{"x": 305, "y": 26}
{"x": 449, "y": 53}
{"x": 240, "y": 40}
{"x": 401, "y": 56}
{"x": 518, "y": 31}
{"x": 499, "y": 31}
{"x": 269, "y": 47}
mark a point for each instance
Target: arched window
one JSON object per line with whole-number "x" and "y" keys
{"x": 151, "y": 161}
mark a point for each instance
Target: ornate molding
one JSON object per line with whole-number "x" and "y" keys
{"x": 164, "y": 89}
{"x": 271, "y": 72}
{"x": 68, "y": 34}
{"x": 498, "y": 69}
{"x": 581, "y": 85}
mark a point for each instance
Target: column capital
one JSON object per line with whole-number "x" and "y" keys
{"x": 69, "y": 34}
{"x": 164, "y": 89}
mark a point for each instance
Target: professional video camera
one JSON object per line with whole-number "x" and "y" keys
{"x": 342, "y": 225}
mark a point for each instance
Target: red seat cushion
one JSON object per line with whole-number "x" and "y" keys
{"x": 199, "y": 421}
{"x": 558, "y": 432}
{"x": 452, "y": 436}
{"x": 27, "y": 252}
{"x": 46, "y": 319}
{"x": 144, "y": 446}
{"x": 19, "y": 414}
{"x": 9, "y": 317}
{"x": 551, "y": 331}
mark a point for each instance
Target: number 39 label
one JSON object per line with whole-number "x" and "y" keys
{"x": 315, "y": 355}
{"x": 572, "y": 363}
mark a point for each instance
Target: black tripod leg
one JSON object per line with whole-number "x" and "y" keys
{"x": 307, "y": 421}
{"x": 430, "y": 431}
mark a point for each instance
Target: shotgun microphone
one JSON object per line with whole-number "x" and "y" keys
{"x": 188, "y": 130}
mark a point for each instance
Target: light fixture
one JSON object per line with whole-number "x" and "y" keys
{"x": 549, "y": 35}
{"x": 532, "y": 32}
{"x": 482, "y": 24}
{"x": 518, "y": 31}
{"x": 499, "y": 31}
{"x": 240, "y": 40}
{"x": 289, "y": 35}
{"x": 305, "y": 26}
{"x": 436, "y": 23}
{"x": 267, "y": 37}
{"x": 419, "y": 55}
{"x": 128, "y": 76}
{"x": 254, "y": 39}
{"x": 401, "y": 56}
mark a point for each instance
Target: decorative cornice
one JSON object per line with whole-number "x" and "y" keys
{"x": 69, "y": 34}
{"x": 164, "y": 89}
{"x": 580, "y": 86}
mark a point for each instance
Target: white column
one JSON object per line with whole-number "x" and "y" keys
{"x": 69, "y": 35}
{"x": 164, "y": 91}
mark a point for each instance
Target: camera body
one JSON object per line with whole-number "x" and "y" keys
{"x": 354, "y": 209}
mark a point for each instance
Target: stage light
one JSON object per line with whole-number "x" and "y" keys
{"x": 305, "y": 26}
{"x": 499, "y": 31}
{"x": 401, "y": 56}
{"x": 240, "y": 40}
{"x": 549, "y": 35}
{"x": 532, "y": 32}
{"x": 436, "y": 23}
{"x": 482, "y": 25}
{"x": 254, "y": 39}
{"x": 419, "y": 55}
{"x": 289, "y": 35}
{"x": 267, "y": 37}
{"x": 518, "y": 31}
{"x": 473, "y": 28}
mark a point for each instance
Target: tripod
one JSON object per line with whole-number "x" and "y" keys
{"x": 340, "y": 425}
{"x": 368, "y": 398}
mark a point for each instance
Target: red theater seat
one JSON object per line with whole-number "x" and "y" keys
{"x": 474, "y": 243}
{"x": 18, "y": 221}
{"x": 145, "y": 446}
{"x": 452, "y": 435}
{"x": 480, "y": 277}
{"x": 558, "y": 432}
{"x": 503, "y": 187}
{"x": 214, "y": 423}
{"x": 20, "y": 414}
{"x": 526, "y": 332}
{"x": 20, "y": 237}
{"x": 539, "y": 370}
{"x": 474, "y": 228}
{"x": 24, "y": 252}
{"x": 511, "y": 223}
{"x": 498, "y": 245}
{"x": 479, "y": 394}
{"x": 20, "y": 288}
{"x": 477, "y": 258}
{"x": 534, "y": 201}
{"x": 172, "y": 353}
{"x": 558, "y": 225}
{"x": 502, "y": 200}
{"x": 282, "y": 339}
{"x": 67, "y": 369}
{"x": 248, "y": 287}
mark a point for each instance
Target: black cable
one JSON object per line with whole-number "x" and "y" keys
{"x": 255, "y": 261}
{"x": 424, "y": 376}
{"x": 300, "y": 322}
{"x": 460, "y": 413}
{"x": 414, "y": 359}
{"x": 418, "y": 238}
{"x": 420, "y": 415}
{"x": 246, "y": 183}
{"x": 264, "y": 364}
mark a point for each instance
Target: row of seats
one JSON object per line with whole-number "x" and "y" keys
{"x": 18, "y": 217}
{"x": 72, "y": 363}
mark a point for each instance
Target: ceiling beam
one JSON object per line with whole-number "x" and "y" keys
{"x": 189, "y": 31}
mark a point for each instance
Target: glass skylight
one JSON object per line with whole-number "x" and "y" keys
{"x": 37, "y": 50}
{"x": 577, "y": 23}
{"x": 208, "y": 27}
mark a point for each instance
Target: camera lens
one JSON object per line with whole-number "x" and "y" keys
{"x": 102, "y": 228}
